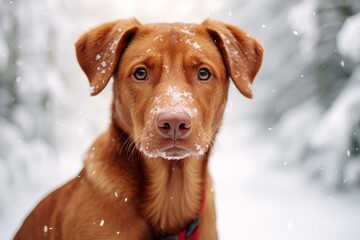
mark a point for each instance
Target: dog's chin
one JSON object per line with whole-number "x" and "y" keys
{"x": 171, "y": 150}
{"x": 175, "y": 153}
{"x": 171, "y": 153}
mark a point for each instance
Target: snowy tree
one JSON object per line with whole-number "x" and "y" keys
{"x": 326, "y": 148}
{"x": 306, "y": 93}
{"x": 29, "y": 85}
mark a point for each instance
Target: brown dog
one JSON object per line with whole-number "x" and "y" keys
{"x": 147, "y": 177}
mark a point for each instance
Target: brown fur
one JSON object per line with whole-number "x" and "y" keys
{"x": 123, "y": 192}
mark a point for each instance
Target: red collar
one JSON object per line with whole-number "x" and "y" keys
{"x": 191, "y": 232}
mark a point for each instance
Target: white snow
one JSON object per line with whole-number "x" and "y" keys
{"x": 166, "y": 67}
{"x": 3, "y": 54}
{"x": 158, "y": 38}
{"x": 187, "y": 31}
{"x": 348, "y": 40}
{"x": 156, "y": 154}
{"x": 192, "y": 43}
{"x": 258, "y": 200}
{"x": 196, "y": 45}
{"x": 201, "y": 150}
{"x": 179, "y": 101}
{"x": 113, "y": 45}
{"x": 91, "y": 89}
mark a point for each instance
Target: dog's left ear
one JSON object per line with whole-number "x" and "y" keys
{"x": 98, "y": 51}
{"x": 242, "y": 54}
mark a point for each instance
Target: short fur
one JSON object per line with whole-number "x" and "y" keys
{"x": 127, "y": 190}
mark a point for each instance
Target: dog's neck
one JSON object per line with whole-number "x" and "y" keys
{"x": 174, "y": 192}
{"x": 169, "y": 193}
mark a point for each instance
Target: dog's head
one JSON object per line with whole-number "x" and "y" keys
{"x": 170, "y": 80}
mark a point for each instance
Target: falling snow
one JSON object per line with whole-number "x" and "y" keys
{"x": 317, "y": 140}
{"x": 187, "y": 31}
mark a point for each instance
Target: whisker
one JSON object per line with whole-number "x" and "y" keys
{"x": 132, "y": 145}
{"x": 209, "y": 139}
{"x": 125, "y": 145}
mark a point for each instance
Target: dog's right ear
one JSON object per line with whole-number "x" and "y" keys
{"x": 98, "y": 51}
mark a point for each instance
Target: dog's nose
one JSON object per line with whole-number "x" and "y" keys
{"x": 174, "y": 125}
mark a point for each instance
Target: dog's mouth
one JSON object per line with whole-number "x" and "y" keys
{"x": 174, "y": 151}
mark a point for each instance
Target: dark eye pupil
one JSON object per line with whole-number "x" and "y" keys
{"x": 204, "y": 74}
{"x": 140, "y": 74}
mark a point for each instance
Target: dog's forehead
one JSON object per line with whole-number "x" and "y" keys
{"x": 175, "y": 33}
{"x": 173, "y": 37}
{"x": 173, "y": 29}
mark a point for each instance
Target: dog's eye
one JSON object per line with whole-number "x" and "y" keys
{"x": 140, "y": 74}
{"x": 204, "y": 74}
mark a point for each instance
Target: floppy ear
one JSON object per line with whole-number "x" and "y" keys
{"x": 98, "y": 51}
{"x": 242, "y": 54}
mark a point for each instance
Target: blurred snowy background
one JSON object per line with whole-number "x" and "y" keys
{"x": 286, "y": 164}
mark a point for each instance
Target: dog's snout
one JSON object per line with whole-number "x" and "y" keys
{"x": 174, "y": 125}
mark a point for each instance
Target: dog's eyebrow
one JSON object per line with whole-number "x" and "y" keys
{"x": 148, "y": 60}
{"x": 196, "y": 61}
